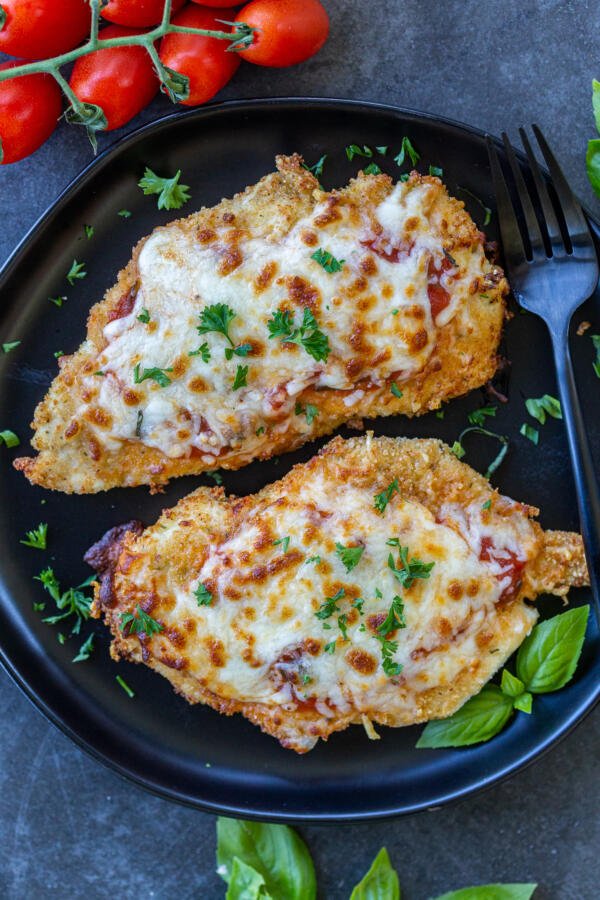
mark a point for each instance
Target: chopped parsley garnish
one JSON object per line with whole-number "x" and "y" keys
{"x": 36, "y": 538}
{"x": 216, "y": 476}
{"x": 58, "y": 353}
{"x": 306, "y": 679}
{"x": 382, "y": 150}
{"x": 89, "y": 231}
{"x": 354, "y": 150}
{"x": 487, "y": 504}
{"x": 306, "y": 335}
{"x": 372, "y": 169}
{"x": 388, "y": 648}
{"x": 329, "y": 606}
{"x": 342, "y": 625}
{"x": 406, "y": 571}
{"x": 317, "y": 168}
{"x": 144, "y": 316}
{"x": 260, "y": 430}
{"x": 9, "y": 438}
{"x": 405, "y": 148}
{"x": 596, "y": 364}
{"x": 459, "y": 451}
{"x": 330, "y": 647}
{"x": 382, "y": 499}
{"x": 530, "y": 432}
{"x": 487, "y": 211}
{"x": 478, "y": 416}
{"x": 404, "y": 177}
{"x": 139, "y": 622}
{"x": 138, "y": 423}
{"x": 350, "y": 556}
{"x": 58, "y": 301}
{"x": 311, "y": 412}
{"x": 158, "y": 375}
{"x": 217, "y": 318}
{"x": 122, "y": 683}
{"x": 60, "y": 638}
{"x": 313, "y": 559}
{"x": 440, "y": 413}
{"x": 395, "y": 390}
{"x": 394, "y": 619}
{"x": 124, "y": 213}
{"x": 435, "y": 170}
{"x": 99, "y": 374}
{"x": 203, "y": 595}
{"x": 10, "y": 345}
{"x": 283, "y": 542}
{"x": 203, "y": 351}
{"x": 76, "y": 272}
{"x": 171, "y": 194}
{"x": 538, "y": 407}
{"x": 85, "y": 650}
{"x": 358, "y": 604}
{"x": 240, "y": 350}
{"x": 72, "y": 602}
{"x": 241, "y": 378}
{"x": 327, "y": 260}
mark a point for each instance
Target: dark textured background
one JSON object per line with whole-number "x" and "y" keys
{"x": 71, "y": 829}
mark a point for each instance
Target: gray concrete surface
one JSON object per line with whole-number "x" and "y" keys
{"x": 71, "y": 829}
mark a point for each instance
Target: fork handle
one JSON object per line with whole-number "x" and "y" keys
{"x": 586, "y": 484}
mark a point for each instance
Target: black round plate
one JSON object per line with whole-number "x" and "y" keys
{"x": 189, "y": 753}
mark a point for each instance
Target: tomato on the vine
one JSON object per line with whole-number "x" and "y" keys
{"x": 121, "y": 80}
{"x": 137, "y": 13}
{"x": 205, "y": 60}
{"x": 38, "y": 29}
{"x": 29, "y": 110}
{"x": 289, "y": 31}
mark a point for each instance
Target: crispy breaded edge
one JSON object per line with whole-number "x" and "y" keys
{"x": 428, "y": 473}
{"x": 463, "y": 359}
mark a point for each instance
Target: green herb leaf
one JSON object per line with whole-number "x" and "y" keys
{"x": 491, "y": 892}
{"x": 58, "y": 301}
{"x": 405, "y": 148}
{"x": 124, "y": 213}
{"x": 478, "y": 416}
{"x": 139, "y": 622}
{"x": 85, "y": 651}
{"x": 381, "y": 500}
{"x": 404, "y": 177}
{"x": 72, "y": 602}
{"x": 354, "y": 150}
{"x": 523, "y": 702}
{"x": 538, "y": 407}
{"x": 10, "y": 345}
{"x": 245, "y": 883}
{"x": 395, "y": 617}
{"x": 122, "y": 683}
{"x": 317, "y": 168}
{"x": 313, "y": 559}
{"x": 406, "y": 571}
{"x": 436, "y": 171}
{"x": 350, "y": 556}
{"x": 9, "y": 438}
{"x": 459, "y": 451}
{"x": 58, "y": 353}
{"x": 548, "y": 657}
{"x": 203, "y": 351}
{"x": 203, "y": 595}
{"x": 283, "y": 542}
{"x": 372, "y": 169}
{"x": 76, "y": 272}
{"x": 89, "y": 231}
{"x": 487, "y": 504}
{"x": 487, "y": 211}
{"x": 241, "y": 378}
{"x": 395, "y": 390}
{"x": 380, "y": 882}
{"x": 157, "y": 375}
{"x": 36, "y": 538}
{"x": 382, "y": 150}
{"x": 511, "y": 685}
{"x": 329, "y": 605}
{"x": 311, "y": 412}
{"x": 216, "y": 476}
{"x": 596, "y": 342}
{"x": 307, "y": 335}
{"x": 171, "y": 194}
{"x": 530, "y": 432}
{"x": 144, "y": 316}
{"x": 275, "y": 851}
{"x": 327, "y": 260}
{"x": 216, "y": 317}
{"x": 478, "y": 720}
{"x": 388, "y": 648}
{"x": 330, "y": 647}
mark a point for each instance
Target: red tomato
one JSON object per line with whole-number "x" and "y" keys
{"x": 204, "y": 60}
{"x": 215, "y": 3}
{"x": 37, "y": 29}
{"x": 119, "y": 79}
{"x": 137, "y": 13}
{"x": 29, "y": 111}
{"x": 289, "y": 31}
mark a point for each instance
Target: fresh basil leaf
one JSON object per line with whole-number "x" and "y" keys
{"x": 510, "y": 685}
{"x": 479, "y": 719}
{"x": 523, "y": 702}
{"x": 245, "y": 883}
{"x": 592, "y": 164}
{"x": 380, "y": 882}
{"x": 548, "y": 658}
{"x": 275, "y": 851}
{"x": 491, "y": 892}
{"x": 596, "y": 102}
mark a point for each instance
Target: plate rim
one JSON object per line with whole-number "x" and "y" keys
{"x": 576, "y": 715}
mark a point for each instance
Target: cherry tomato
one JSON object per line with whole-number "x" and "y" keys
{"x": 289, "y": 31}
{"x": 137, "y": 13}
{"x": 37, "y": 29}
{"x": 204, "y": 60}
{"x": 215, "y": 3}
{"x": 119, "y": 79}
{"x": 29, "y": 111}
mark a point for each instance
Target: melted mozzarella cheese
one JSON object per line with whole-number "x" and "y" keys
{"x": 198, "y": 411}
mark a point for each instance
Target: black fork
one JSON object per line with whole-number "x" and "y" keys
{"x": 553, "y": 269}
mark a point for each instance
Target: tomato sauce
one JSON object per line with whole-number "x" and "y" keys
{"x": 388, "y": 251}
{"x": 439, "y": 298}
{"x": 512, "y": 566}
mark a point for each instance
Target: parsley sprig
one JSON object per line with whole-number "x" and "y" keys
{"x": 404, "y": 570}
{"x": 158, "y": 375}
{"x": 306, "y": 335}
{"x": 203, "y": 595}
{"x": 329, "y": 605}
{"x": 36, "y": 538}
{"x": 72, "y": 602}
{"x": 478, "y": 416}
{"x": 407, "y": 147}
{"x": 540, "y": 406}
{"x": 171, "y": 194}
{"x": 459, "y": 450}
{"x": 350, "y": 556}
{"x": 139, "y": 622}
{"x": 311, "y": 412}
{"x": 217, "y": 318}
{"x": 76, "y": 272}
{"x": 394, "y": 619}
{"x": 328, "y": 261}
{"x": 381, "y": 500}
